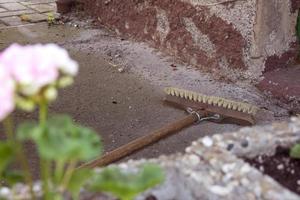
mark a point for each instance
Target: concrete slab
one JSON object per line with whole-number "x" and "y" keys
{"x": 42, "y": 8}
{"x": 36, "y": 17}
{"x": 13, "y": 6}
{"x": 9, "y": 1}
{"x": 15, "y": 13}
{"x": 36, "y": 2}
{"x": 12, "y": 21}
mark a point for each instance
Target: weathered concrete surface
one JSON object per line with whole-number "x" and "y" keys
{"x": 234, "y": 39}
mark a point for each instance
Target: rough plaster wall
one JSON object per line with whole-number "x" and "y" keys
{"x": 234, "y": 39}
{"x": 268, "y": 27}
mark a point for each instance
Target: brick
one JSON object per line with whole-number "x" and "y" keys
{"x": 15, "y": 13}
{"x": 13, "y": 6}
{"x": 42, "y": 8}
{"x": 12, "y": 21}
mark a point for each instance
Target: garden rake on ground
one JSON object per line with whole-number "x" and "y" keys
{"x": 200, "y": 108}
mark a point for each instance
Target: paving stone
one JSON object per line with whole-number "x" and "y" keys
{"x": 43, "y": 7}
{"x": 12, "y": 21}
{"x": 36, "y": 2}
{"x": 9, "y": 1}
{"x": 13, "y": 6}
{"x": 16, "y": 13}
{"x": 36, "y": 17}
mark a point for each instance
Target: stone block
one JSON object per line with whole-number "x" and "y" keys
{"x": 12, "y": 21}
{"x": 236, "y": 40}
{"x": 36, "y": 17}
{"x": 42, "y": 8}
{"x": 13, "y": 6}
{"x": 15, "y": 13}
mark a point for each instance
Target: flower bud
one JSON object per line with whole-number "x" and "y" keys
{"x": 65, "y": 81}
{"x": 27, "y": 105}
{"x": 50, "y": 93}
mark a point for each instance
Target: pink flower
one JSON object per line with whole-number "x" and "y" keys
{"x": 62, "y": 59}
{"x": 36, "y": 66}
{"x": 7, "y": 103}
{"x": 29, "y": 66}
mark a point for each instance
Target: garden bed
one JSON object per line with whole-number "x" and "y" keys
{"x": 281, "y": 167}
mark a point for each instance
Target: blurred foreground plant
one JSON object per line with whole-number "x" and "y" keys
{"x": 30, "y": 77}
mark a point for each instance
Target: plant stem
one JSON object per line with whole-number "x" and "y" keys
{"x": 44, "y": 164}
{"x": 68, "y": 174}
{"x": 20, "y": 153}
{"x": 59, "y": 169}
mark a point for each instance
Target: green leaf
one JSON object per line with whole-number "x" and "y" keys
{"x": 62, "y": 139}
{"x": 78, "y": 180}
{"x": 6, "y": 155}
{"x": 29, "y": 131}
{"x": 126, "y": 185}
{"x": 295, "y": 151}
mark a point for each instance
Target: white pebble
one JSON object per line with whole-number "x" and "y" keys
{"x": 280, "y": 167}
{"x": 207, "y": 141}
{"x": 261, "y": 168}
{"x": 228, "y": 167}
{"x": 245, "y": 169}
{"x": 221, "y": 191}
{"x": 298, "y": 182}
{"x": 194, "y": 160}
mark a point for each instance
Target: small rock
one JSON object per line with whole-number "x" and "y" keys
{"x": 121, "y": 70}
{"x": 219, "y": 190}
{"x": 245, "y": 182}
{"x": 261, "y": 168}
{"x": 230, "y": 147}
{"x": 228, "y": 167}
{"x": 260, "y": 159}
{"x": 280, "y": 167}
{"x": 298, "y": 182}
{"x": 207, "y": 141}
{"x": 245, "y": 143}
{"x": 194, "y": 160}
{"x": 245, "y": 169}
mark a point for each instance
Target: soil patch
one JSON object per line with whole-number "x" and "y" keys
{"x": 280, "y": 167}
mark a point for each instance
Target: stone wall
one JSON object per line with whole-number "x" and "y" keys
{"x": 234, "y": 39}
{"x": 214, "y": 167}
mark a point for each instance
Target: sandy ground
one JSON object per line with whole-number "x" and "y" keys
{"x": 119, "y": 88}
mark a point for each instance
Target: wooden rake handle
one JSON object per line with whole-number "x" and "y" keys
{"x": 141, "y": 142}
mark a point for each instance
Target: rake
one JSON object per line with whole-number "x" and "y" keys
{"x": 199, "y": 108}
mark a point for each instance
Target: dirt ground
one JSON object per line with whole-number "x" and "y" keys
{"x": 118, "y": 91}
